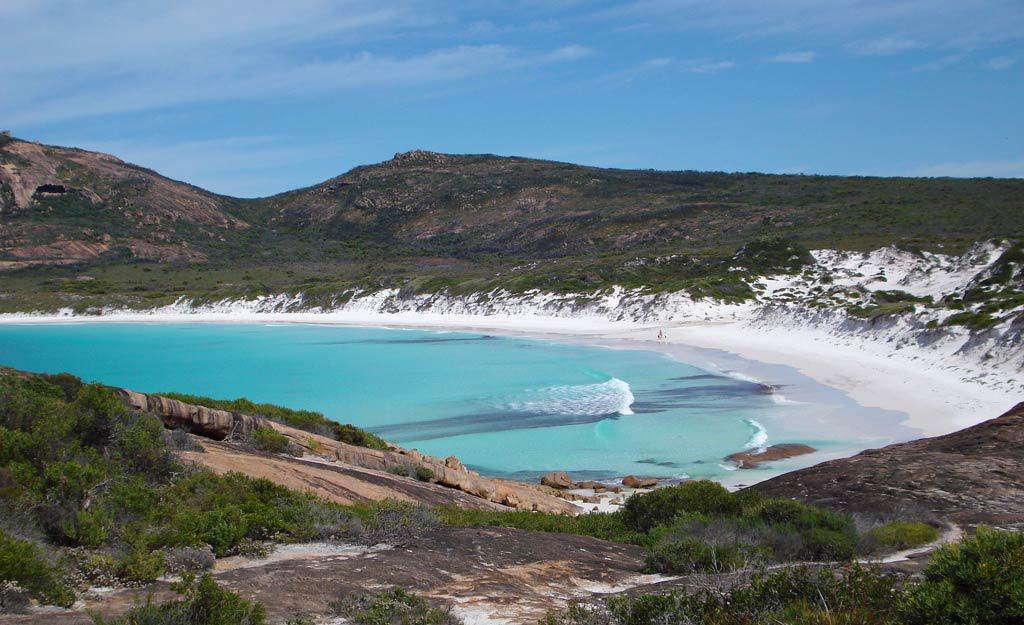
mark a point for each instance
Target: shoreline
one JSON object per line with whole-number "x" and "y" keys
{"x": 933, "y": 400}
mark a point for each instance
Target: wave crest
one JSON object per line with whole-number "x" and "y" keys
{"x": 612, "y": 397}
{"x": 758, "y": 437}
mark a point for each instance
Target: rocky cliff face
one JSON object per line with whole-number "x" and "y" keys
{"x": 63, "y": 206}
{"x": 975, "y": 475}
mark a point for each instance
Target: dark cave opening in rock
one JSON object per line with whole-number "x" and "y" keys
{"x": 53, "y": 189}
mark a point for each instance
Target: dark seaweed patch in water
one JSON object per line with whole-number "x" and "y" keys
{"x": 704, "y": 397}
{"x": 481, "y": 422}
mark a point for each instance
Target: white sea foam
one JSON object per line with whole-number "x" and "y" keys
{"x": 612, "y": 397}
{"x": 782, "y": 400}
{"x": 759, "y": 436}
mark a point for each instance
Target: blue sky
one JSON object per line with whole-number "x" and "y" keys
{"x": 252, "y": 98}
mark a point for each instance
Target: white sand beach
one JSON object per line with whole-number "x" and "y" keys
{"x": 936, "y": 399}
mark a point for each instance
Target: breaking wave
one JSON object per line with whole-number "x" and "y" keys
{"x": 758, "y": 437}
{"x": 612, "y": 397}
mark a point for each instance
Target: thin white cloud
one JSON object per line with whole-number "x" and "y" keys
{"x": 707, "y": 66}
{"x": 885, "y": 46}
{"x": 940, "y": 64}
{"x": 268, "y": 78}
{"x": 1001, "y": 62}
{"x": 806, "y": 56}
{"x": 842, "y": 23}
{"x": 570, "y": 53}
{"x": 136, "y": 55}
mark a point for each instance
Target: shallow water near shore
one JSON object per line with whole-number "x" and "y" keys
{"x": 506, "y": 406}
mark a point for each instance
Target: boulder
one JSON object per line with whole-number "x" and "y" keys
{"x": 454, "y": 464}
{"x": 632, "y": 481}
{"x": 557, "y": 479}
{"x": 750, "y": 459}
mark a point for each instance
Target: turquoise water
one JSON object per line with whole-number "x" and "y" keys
{"x": 506, "y": 406}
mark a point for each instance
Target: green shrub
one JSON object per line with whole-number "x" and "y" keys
{"x": 794, "y": 596}
{"x": 902, "y": 535}
{"x": 89, "y": 528}
{"x": 978, "y": 581}
{"x": 658, "y": 507}
{"x": 34, "y": 571}
{"x": 202, "y": 603}
{"x": 694, "y": 556}
{"x": 140, "y": 565}
{"x": 393, "y": 607}
{"x": 825, "y": 545}
{"x": 270, "y": 440}
{"x": 348, "y": 433}
{"x": 400, "y": 469}
{"x": 424, "y": 474}
{"x": 394, "y": 522}
{"x": 610, "y": 526}
{"x": 222, "y": 511}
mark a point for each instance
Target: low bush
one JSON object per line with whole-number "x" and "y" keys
{"x": 223, "y": 511}
{"x": 610, "y": 526}
{"x": 394, "y": 522}
{"x": 424, "y": 474}
{"x": 270, "y": 440}
{"x": 180, "y": 440}
{"x": 400, "y": 469}
{"x": 684, "y": 557}
{"x": 202, "y": 603}
{"x": 979, "y": 580}
{"x": 179, "y": 560}
{"x": 140, "y": 565}
{"x": 392, "y": 607}
{"x": 796, "y": 596}
{"x": 660, "y": 506}
{"x": 901, "y": 535}
{"x": 25, "y": 564}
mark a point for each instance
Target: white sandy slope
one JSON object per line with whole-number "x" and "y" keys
{"x": 943, "y": 378}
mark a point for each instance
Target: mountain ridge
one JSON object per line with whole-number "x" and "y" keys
{"x": 81, "y": 228}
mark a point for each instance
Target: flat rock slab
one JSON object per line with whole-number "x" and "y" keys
{"x": 487, "y": 574}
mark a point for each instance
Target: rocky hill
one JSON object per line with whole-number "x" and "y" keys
{"x": 968, "y": 477}
{"x": 61, "y": 206}
{"x": 86, "y": 229}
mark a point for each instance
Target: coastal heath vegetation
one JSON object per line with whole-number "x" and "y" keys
{"x": 702, "y": 527}
{"x": 978, "y": 581}
{"x": 92, "y": 492}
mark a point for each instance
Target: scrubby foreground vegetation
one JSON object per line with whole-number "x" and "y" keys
{"x": 979, "y": 581}
{"x": 701, "y": 527}
{"x": 91, "y": 493}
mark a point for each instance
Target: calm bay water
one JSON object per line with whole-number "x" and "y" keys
{"x": 506, "y": 406}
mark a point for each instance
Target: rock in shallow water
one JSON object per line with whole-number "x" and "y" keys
{"x": 557, "y": 479}
{"x": 632, "y": 481}
{"x": 751, "y": 459}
